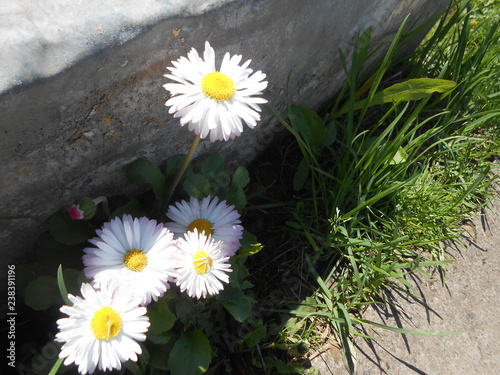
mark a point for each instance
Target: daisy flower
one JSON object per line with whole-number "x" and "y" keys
{"x": 133, "y": 252}
{"x": 215, "y": 102}
{"x": 217, "y": 219}
{"x": 201, "y": 266}
{"x": 101, "y": 329}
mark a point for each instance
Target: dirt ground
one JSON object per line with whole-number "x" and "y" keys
{"x": 469, "y": 301}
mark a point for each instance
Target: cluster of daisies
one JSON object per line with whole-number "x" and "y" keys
{"x": 133, "y": 261}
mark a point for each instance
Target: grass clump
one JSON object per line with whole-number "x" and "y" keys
{"x": 388, "y": 173}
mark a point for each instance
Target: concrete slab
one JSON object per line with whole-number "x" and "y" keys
{"x": 86, "y": 105}
{"x": 39, "y": 39}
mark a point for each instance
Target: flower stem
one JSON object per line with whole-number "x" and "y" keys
{"x": 181, "y": 171}
{"x": 56, "y": 366}
{"x": 105, "y": 205}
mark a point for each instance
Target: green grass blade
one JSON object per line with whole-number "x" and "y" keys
{"x": 56, "y": 366}
{"x": 408, "y": 331}
{"x": 324, "y": 289}
{"x": 62, "y": 286}
{"x": 413, "y": 89}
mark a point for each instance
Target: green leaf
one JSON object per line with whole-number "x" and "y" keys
{"x": 301, "y": 175}
{"x": 220, "y": 184}
{"x": 132, "y": 208}
{"x": 212, "y": 165}
{"x": 236, "y": 302}
{"x": 237, "y": 197}
{"x": 185, "y": 309}
{"x": 413, "y": 89}
{"x": 400, "y": 156}
{"x": 197, "y": 186}
{"x": 42, "y": 293}
{"x": 256, "y": 336}
{"x": 250, "y": 249}
{"x": 249, "y": 245}
{"x": 241, "y": 178}
{"x": 163, "y": 338}
{"x": 68, "y": 231}
{"x": 240, "y": 271}
{"x": 309, "y": 124}
{"x": 331, "y": 134}
{"x": 142, "y": 171}
{"x": 159, "y": 357}
{"x": 173, "y": 166}
{"x": 161, "y": 318}
{"x": 245, "y": 284}
{"x": 191, "y": 354}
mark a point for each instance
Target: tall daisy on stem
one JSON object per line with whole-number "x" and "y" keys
{"x": 213, "y": 102}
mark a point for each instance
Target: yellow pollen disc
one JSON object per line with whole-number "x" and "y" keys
{"x": 218, "y": 86}
{"x": 202, "y": 262}
{"x": 106, "y": 323}
{"x": 203, "y": 225}
{"x": 135, "y": 260}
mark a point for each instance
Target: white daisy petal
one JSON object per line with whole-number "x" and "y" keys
{"x": 201, "y": 265}
{"x": 101, "y": 329}
{"x": 219, "y": 219}
{"x": 135, "y": 253}
{"x": 201, "y": 94}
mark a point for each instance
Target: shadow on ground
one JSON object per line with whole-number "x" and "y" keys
{"x": 467, "y": 305}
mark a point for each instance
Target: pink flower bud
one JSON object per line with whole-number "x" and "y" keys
{"x": 75, "y": 213}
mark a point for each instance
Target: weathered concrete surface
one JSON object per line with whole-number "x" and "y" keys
{"x": 42, "y": 38}
{"x": 72, "y": 133}
{"x": 468, "y": 302}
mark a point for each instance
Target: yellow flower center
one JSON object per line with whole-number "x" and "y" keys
{"x": 203, "y": 225}
{"x": 218, "y": 86}
{"x": 106, "y": 323}
{"x": 135, "y": 260}
{"x": 202, "y": 262}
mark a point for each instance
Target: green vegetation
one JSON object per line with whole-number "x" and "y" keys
{"x": 358, "y": 199}
{"x": 385, "y": 175}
